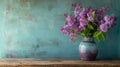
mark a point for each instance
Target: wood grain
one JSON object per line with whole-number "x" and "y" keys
{"x": 32, "y": 62}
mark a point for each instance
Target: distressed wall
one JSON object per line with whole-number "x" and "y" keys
{"x": 30, "y": 29}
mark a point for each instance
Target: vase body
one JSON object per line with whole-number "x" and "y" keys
{"x": 87, "y": 49}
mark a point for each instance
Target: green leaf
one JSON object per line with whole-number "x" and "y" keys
{"x": 98, "y": 38}
{"x": 103, "y": 35}
{"x": 90, "y": 27}
{"x": 83, "y": 34}
{"x": 99, "y": 35}
{"x": 93, "y": 14}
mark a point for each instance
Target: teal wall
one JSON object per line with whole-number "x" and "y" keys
{"x": 30, "y": 29}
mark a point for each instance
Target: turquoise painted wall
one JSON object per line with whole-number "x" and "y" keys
{"x": 30, "y": 29}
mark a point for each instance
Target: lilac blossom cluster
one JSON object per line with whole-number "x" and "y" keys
{"x": 83, "y": 16}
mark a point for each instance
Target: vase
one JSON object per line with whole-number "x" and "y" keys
{"x": 88, "y": 49}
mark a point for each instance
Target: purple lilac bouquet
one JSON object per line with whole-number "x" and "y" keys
{"x": 88, "y": 22}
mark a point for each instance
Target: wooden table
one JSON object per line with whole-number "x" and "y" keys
{"x": 32, "y": 62}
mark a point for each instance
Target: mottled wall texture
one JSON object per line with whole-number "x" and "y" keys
{"x": 30, "y": 29}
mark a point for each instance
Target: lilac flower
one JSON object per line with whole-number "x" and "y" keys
{"x": 104, "y": 27}
{"x": 100, "y": 13}
{"x": 70, "y": 20}
{"x": 82, "y": 20}
{"x": 66, "y": 29}
{"x": 78, "y": 7}
{"x": 65, "y": 15}
{"x": 110, "y": 20}
{"x": 73, "y": 4}
{"x": 90, "y": 16}
{"x": 101, "y": 22}
{"x": 77, "y": 17}
{"x": 82, "y": 27}
{"x": 77, "y": 11}
{"x": 104, "y": 9}
{"x": 83, "y": 13}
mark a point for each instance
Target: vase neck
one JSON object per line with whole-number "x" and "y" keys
{"x": 89, "y": 39}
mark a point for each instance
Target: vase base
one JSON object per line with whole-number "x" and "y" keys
{"x": 88, "y": 59}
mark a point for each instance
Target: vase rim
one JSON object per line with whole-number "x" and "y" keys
{"x": 89, "y": 38}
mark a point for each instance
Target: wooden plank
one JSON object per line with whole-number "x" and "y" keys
{"x": 32, "y": 62}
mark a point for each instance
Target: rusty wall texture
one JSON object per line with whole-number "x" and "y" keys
{"x": 30, "y": 29}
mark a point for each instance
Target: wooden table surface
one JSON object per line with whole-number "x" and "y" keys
{"x": 32, "y": 62}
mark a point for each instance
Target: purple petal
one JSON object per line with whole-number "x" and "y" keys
{"x": 83, "y": 22}
{"x": 104, "y": 27}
